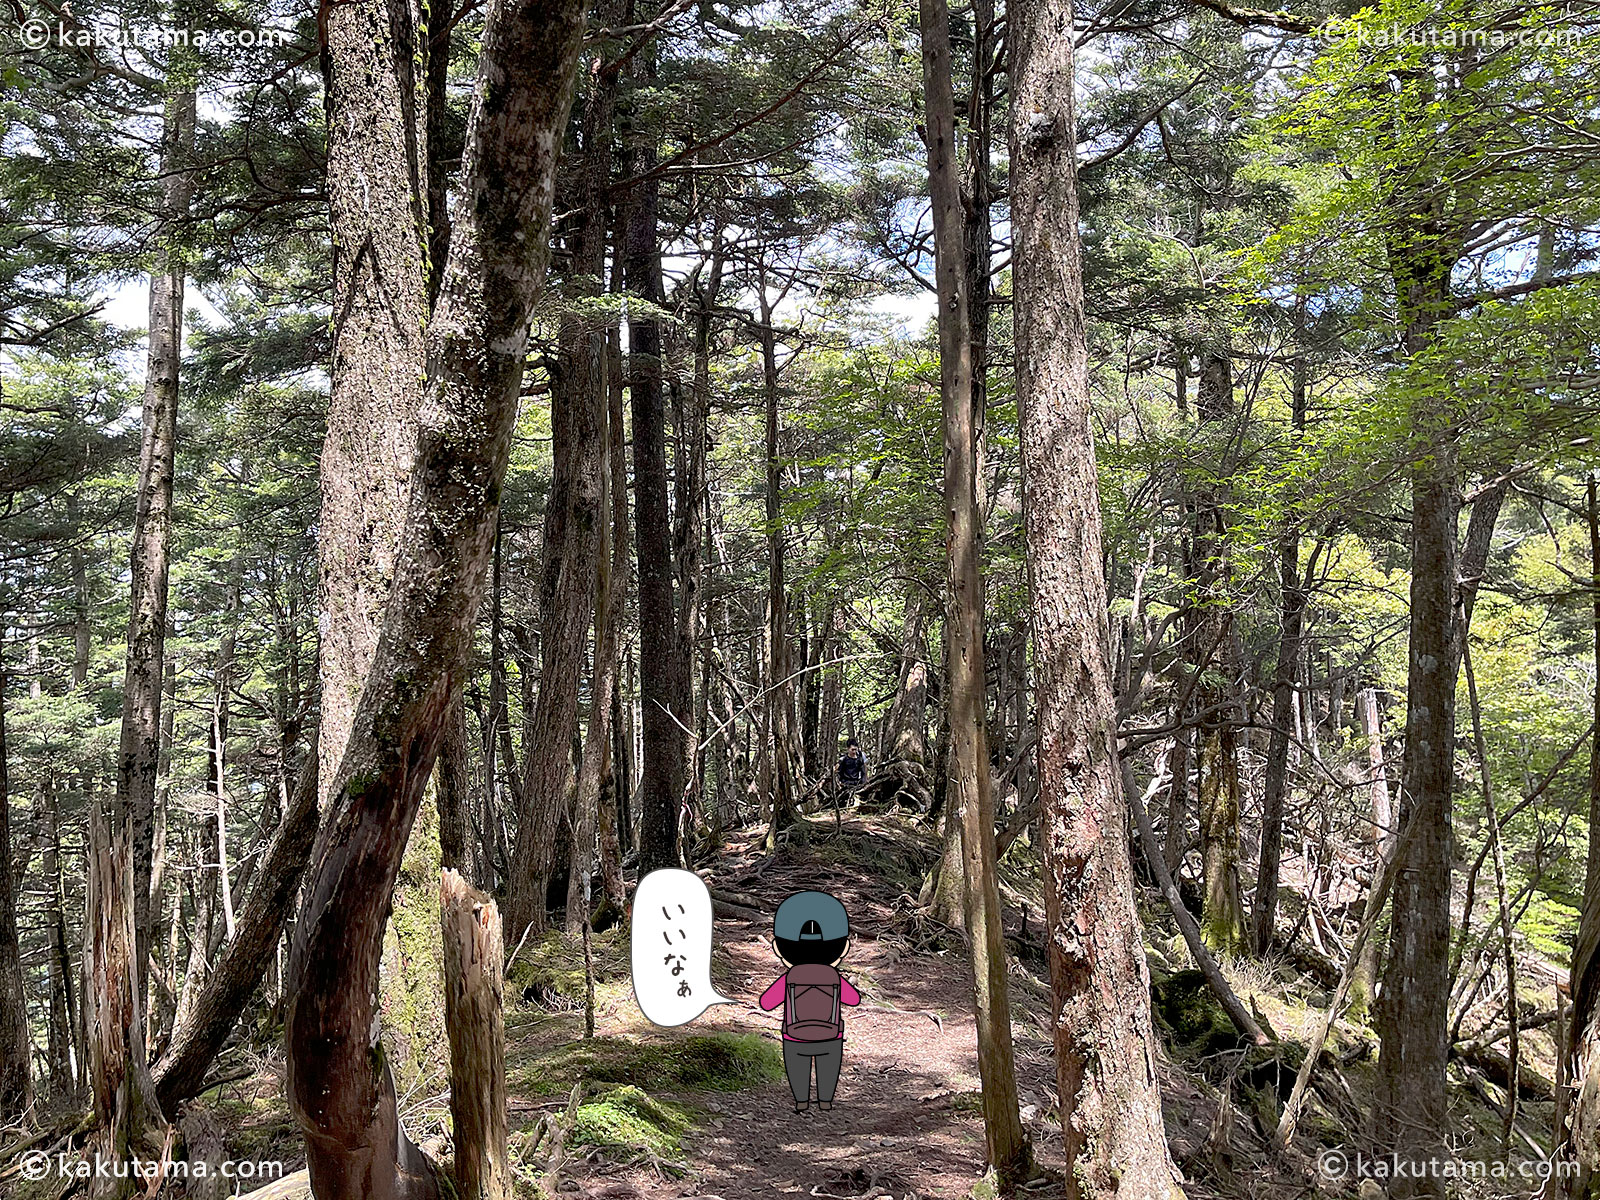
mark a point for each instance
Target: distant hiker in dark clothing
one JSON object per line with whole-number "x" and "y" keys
{"x": 852, "y": 767}
{"x": 812, "y": 933}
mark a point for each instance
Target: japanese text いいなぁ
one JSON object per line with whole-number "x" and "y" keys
{"x": 672, "y": 948}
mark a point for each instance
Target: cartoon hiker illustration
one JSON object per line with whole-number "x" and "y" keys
{"x": 812, "y": 933}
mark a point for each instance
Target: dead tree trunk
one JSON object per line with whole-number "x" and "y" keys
{"x": 1104, "y": 1040}
{"x": 339, "y": 1085}
{"x": 474, "y": 971}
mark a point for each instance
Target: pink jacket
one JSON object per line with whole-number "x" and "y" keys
{"x": 773, "y": 996}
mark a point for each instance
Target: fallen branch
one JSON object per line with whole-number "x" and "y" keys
{"x": 1237, "y": 1013}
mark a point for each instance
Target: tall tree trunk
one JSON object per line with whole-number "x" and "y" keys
{"x": 611, "y": 559}
{"x": 689, "y": 529}
{"x": 574, "y": 513}
{"x": 1222, "y": 912}
{"x": 778, "y": 690}
{"x": 1410, "y": 1105}
{"x": 615, "y": 771}
{"x": 968, "y": 781}
{"x": 339, "y": 1085}
{"x": 1104, "y": 1041}
{"x": 123, "y": 845}
{"x": 1292, "y": 603}
{"x": 139, "y": 752}
{"x": 16, "y": 1078}
{"x": 661, "y": 789}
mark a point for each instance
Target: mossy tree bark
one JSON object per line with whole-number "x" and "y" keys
{"x": 340, "y": 1088}
{"x": 1104, "y": 1040}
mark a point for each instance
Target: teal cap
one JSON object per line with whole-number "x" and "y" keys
{"x": 811, "y": 917}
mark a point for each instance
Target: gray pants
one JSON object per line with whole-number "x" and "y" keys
{"x": 797, "y": 1060}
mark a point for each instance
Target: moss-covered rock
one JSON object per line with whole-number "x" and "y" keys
{"x": 629, "y": 1119}
{"x": 1191, "y": 1016}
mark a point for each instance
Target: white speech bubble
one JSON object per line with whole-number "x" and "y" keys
{"x": 672, "y": 948}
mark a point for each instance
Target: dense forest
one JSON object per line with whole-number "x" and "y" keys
{"x": 459, "y": 460}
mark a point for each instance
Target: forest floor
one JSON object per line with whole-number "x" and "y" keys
{"x": 703, "y": 1110}
{"x": 906, "y": 1121}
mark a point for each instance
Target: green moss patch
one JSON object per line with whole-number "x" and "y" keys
{"x": 628, "y": 1119}
{"x": 1191, "y": 1016}
{"x": 551, "y": 968}
{"x": 718, "y": 1062}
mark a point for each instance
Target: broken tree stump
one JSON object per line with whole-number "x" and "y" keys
{"x": 474, "y": 975}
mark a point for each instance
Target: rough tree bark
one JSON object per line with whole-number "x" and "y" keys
{"x": 574, "y": 513}
{"x": 339, "y": 1085}
{"x": 1410, "y": 1105}
{"x": 661, "y": 788}
{"x": 1104, "y": 1041}
{"x": 377, "y": 195}
{"x": 967, "y": 777}
{"x": 474, "y": 974}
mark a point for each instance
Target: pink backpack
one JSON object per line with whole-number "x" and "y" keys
{"x": 811, "y": 1010}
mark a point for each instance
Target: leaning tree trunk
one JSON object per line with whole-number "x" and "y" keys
{"x": 967, "y": 776}
{"x": 339, "y": 1085}
{"x": 1104, "y": 1040}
